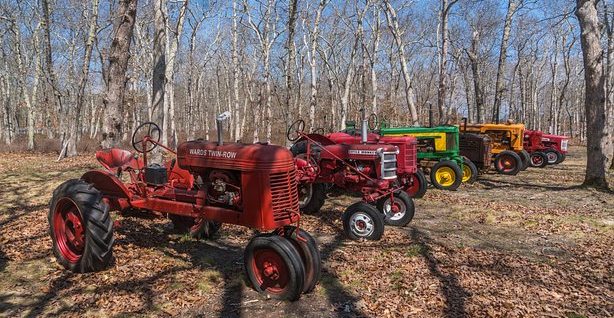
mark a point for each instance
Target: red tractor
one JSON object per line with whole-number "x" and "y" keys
{"x": 365, "y": 168}
{"x": 552, "y": 147}
{"x": 204, "y": 185}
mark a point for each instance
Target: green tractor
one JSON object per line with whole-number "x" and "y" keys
{"x": 438, "y": 154}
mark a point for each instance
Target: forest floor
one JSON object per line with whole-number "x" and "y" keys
{"x": 529, "y": 245}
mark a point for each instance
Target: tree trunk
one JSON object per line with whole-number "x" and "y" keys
{"x": 595, "y": 99}
{"x": 410, "y": 97}
{"x": 71, "y": 148}
{"x": 119, "y": 55}
{"x": 499, "y": 87}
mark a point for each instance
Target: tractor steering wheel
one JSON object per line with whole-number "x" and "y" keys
{"x": 373, "y": 121}
{"x": 295, "y": 130}
{"x": 147, "y": 129}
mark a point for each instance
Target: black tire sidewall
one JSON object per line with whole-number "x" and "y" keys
{"x": 98, "y": 250}
{"x": 310, "y": 255}
{"x": 372, "y": 212}
{"x": 517, "y": 159}
{"x": 473, "y": 168}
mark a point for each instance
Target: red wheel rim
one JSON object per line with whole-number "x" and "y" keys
{"x": 537, "y": 160}
{"x": 271, "y": 271}
{"x": 506, "y": 163}
{"x": 69, "y": 230}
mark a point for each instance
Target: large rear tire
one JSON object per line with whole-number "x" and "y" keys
{"x": 508, "y": 163}
{"x": 81, "y": 228}
{"x": 446, "y": 175}
{"x": 417, "y": 188}
{"x": 470, "y": 171}
{"x": 274, "y": 266}
{"x": 363, "y": 221}
{"x": 400, "y": 213}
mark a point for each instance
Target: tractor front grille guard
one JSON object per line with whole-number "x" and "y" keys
{"x": 388, "y": 165}
{"x": 284, "y": 200}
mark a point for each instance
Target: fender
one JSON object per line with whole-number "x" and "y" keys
{"x": 115, "y": 193}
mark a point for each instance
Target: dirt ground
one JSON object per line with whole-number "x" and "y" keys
{"x": 531, "y": 245}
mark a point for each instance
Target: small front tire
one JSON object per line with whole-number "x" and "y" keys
{"x": 446, "y": 175}
{"x": 363, "y": 221}
{"x": 274, "y": 266}
{"x": 417, "y": 187}
{"x": 508, "y": 163}
{"x": 538, "y": 159}
{"x": 470, "y": 171}
{"x": 400, "y": 213}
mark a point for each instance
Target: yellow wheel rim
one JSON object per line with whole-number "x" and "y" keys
{"x": 466, "y": 173}
{"x": 445, "y": 176}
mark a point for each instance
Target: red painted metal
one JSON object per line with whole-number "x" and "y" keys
{"x": 535, "y": 140}
{"x": 270, "y": 270}
{"x": 264, "y": 196}
{"x": 68, "y": 230}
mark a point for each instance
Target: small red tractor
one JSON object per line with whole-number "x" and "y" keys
{"x": 365, "y": 168}
{"x": 552, "y": 148}
{"x": 204, "y": 185}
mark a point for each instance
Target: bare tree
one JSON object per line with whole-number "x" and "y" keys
{"x": 512, "y": 7}
{"x": 595, "y": 99}
{"x": 119, "y": 55}
{"x": 393, "y": 25}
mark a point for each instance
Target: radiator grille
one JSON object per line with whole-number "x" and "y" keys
{"x": 284, "y": 195}
{"x": 410, "y": 155}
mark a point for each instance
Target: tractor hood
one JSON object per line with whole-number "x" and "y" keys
{"x": 199, "y": 154}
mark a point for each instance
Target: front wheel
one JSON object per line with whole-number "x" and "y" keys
{"x": 81, "y": 228}
{"x": 538, "y": 159}
{"x": 446, "y": 175}
{"x": 553, "y": 156}
{"x": 363, "y": 221}
{"x": 307, "y": 247}
{"x": 397, "y": 213}
{"x": 417, "y": 186}
{"x": 470, "y": 171}
{"x": 274, "y": 267}
{"x": 508, "y": 163}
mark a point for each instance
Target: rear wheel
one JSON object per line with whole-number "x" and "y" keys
{"x": 311, "y": 197}
{"x": 363, "y": 221}
{"x": 397, "y": 213}
{"x": 526, "y": 159}
{"x": 446, "y": 175}
{"x": 508, "y": 163}
{"x": 417, "y": 186}
{"x": 196, "y": 228}
{"x": 470, "y": 171}
{"x": 538, "y": 159}
{"x": 81, "y": 228}
{"x": 553, "y": 156}
{"x": 307, "y": 247}
{"x": 274, "y": 267}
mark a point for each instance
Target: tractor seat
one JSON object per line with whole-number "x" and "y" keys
{"x": 115, "y": 158}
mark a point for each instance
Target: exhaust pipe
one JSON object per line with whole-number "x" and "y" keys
{"x": 465, "y": 124}
{"x": 218, "y": 123}
{"x": 363, "y": 127}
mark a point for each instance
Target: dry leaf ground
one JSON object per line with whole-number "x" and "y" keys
{"x": 531, "y": 245}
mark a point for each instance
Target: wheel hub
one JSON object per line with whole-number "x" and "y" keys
{"x": 361, "y": 224}
{"x": 68, "y": 230}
